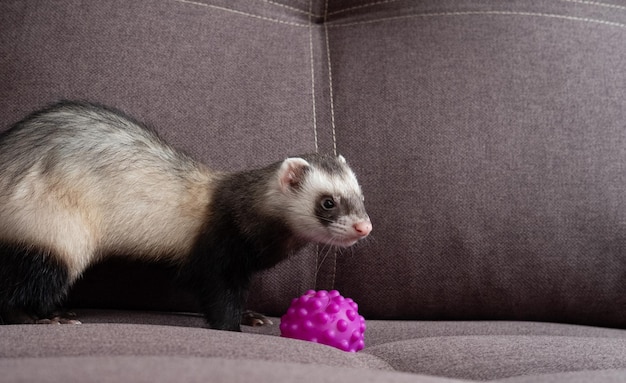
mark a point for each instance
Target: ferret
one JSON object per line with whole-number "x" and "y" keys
{"x": 81, "y": 182}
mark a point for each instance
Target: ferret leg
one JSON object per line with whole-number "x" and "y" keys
{"x": 223, "y": 308}
{"x": 33, "y": 283}
{"x": 222, "y": 299}
{"x": 254, "y": 319}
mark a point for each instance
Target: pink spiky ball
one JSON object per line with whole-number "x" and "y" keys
{"x": 325, "y": 317}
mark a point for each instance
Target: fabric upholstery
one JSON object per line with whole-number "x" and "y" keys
{"x": 194, "y": 369}
{"x": 499, "y": 154}
{"x": 498, "y": 138}
{"x": 481, "y": 351}
{"x": 488, "y": 137}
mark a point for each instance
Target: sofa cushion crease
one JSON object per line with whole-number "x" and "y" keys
{"x": 484, "y": 357}
{"x": 582, "y": 376}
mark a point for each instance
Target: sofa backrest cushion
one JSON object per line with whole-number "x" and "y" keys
{"x": 488, "y": 137}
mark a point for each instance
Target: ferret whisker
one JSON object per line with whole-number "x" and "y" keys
{"x": 324, "y": 256}
{"x": 370, "y": 239}
{"x": 324, "y": 219}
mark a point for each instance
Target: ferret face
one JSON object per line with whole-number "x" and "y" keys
{"x": 324, "y": 200}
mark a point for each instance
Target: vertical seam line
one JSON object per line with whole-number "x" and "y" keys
{"x": 313, "y": 75}
{"x": 332, "y": 120}
{"x": 317, "y": 248}
{"x": 330, "y": 81}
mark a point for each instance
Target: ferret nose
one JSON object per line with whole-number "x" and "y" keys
{"x": 363, "y": 228}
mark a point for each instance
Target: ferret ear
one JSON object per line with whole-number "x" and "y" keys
{"x": 341, "y": 158}
{"x": 292, "y": 172}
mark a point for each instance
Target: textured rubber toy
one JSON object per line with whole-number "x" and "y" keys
{"x": 325, "y": 317}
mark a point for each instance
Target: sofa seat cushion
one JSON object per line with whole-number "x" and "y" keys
{"x": 155, "y": 369}
{"x": 160, "y": 344}
{"x": 117, "y": 339}
{"x": 488, "y": 357}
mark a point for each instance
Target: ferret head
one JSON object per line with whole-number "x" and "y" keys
{"x": 321, "y": 199}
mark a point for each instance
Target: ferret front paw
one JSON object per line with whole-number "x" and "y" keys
{"x": 254, "y": 319}
{"x": 19, "y": 316}
{"x": 65, "y": 317}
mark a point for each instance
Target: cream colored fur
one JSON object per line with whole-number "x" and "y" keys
{"x": 96, "y": 204}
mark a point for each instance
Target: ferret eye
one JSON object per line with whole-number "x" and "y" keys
{"x": 328, "y": 204}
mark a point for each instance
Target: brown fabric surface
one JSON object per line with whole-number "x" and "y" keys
{"x": 491, "y": 357}
{"x": 465, "y": 350}
{"x": 378, "y": 331}
{"x": 152, "y": 340}
{"x": 189, "y": 369}
{"x": 194, "y": 369}
{"x": 607, "y": 376}
{"x": 387, "y": 332}
{"x": 488, "y": 136}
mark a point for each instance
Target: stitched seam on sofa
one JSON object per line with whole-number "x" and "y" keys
{"x": 314, "y": 106}
{"x": 596, "y": 4}
{"x": 482, "y": 13}
{"x": 289, "y": 7}
{"x": 258, "y": 17}
{"x": 310, "y": 13}
{"x": 367, "y": 5}
{"x": 383, "y": 2}
{"x": 332, "y": 119}
{"x": 330, "y": 83}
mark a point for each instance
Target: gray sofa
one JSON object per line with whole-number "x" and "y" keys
{"x": 489, "y": 138}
